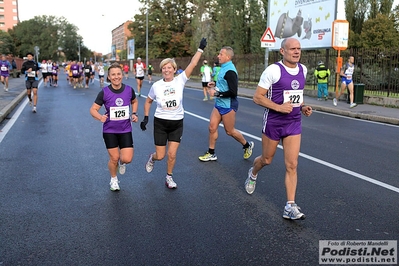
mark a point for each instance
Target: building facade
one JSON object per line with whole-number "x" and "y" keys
{"x": 8, "y": 14}
{"x": 120, "y": 36}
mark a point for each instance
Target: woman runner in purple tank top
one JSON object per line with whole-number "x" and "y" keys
{"x": 121, "y": 105}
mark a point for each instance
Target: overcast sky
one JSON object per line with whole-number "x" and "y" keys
{"x": 95, "y": 19}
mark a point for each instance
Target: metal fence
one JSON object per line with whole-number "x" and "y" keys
{"x": 377, "y": 69}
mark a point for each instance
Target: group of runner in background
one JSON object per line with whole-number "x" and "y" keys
{"x": 81, "y": 75}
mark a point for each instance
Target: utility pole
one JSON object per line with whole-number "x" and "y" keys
{"x": 79, "y": 48}
{"x": 37, "y": 53}
{"x": 146, "y": 33}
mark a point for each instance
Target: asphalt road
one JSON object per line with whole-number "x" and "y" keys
{"x": 57, "y": 209}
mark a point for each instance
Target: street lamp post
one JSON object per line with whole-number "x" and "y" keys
{"x": 59, "y": 53}
{"x": 146, "y": 34}
{"x": 79, "y": 48}
{"x": 37, "y": 53}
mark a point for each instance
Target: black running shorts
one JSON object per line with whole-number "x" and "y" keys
{"x": 31, "y": 84}
{"x": 167, "y": 130}
{"x": 121, "y": 140}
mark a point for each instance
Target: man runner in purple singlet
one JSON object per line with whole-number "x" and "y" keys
{"x": 280, "y": 91}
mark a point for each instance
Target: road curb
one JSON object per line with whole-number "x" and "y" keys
{"x": 331, "y": 110}
{"x": 8, "y": 109}
{"x": 371, "y": 117}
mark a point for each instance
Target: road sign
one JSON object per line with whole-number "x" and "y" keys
{"x": 267, "y": 39}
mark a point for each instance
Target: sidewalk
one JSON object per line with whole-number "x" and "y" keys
{"x": 17, "y": 91}
{"x": 10, "y": 99}
{"x": 361, "y": 111}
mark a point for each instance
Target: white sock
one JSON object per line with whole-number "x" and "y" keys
{"x": 253, "y": 176}
{"x": 289, "y": 203}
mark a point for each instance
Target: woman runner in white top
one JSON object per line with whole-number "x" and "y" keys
{"x": 169, "y": 114}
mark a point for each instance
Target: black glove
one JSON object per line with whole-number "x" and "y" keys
{"x": 144, "y": 123}
{"x": 202, "y": 44}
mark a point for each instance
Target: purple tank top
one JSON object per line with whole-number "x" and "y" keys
{"x": 4, "y": 67}
{"x": 75, "y": 70}
{"x": 117, "y": 106}
{"x": 287, "y": 82}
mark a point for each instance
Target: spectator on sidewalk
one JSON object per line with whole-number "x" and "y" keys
{"x": 322, "y": 73}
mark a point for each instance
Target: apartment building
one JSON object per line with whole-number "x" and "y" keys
{"x": 120, "y": 36}
{"x": 8, "y": 14}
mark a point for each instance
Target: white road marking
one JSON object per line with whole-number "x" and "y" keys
{"x": 311, "y": 158}
{"x": 11, "y": 122}
{"x": 14, "y": 118}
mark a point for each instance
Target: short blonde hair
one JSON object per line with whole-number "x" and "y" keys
{"x": 168, "y": 61}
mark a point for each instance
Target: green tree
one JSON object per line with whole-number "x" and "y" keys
{"x": 395, "y": 17}
{"x": 48, "y": 33}
{"x": 169, "y": 30}
{"x": 380, "y": 7}
{"x": 203, "y": 23}
{"x": 7, "y": 45}
{"x": 256, "y": 25}
{"x": 362, "y": 13}
{"x": 239, "y": 24}
{"x": 379, "y": 33}
{"x": 356, "y": 14}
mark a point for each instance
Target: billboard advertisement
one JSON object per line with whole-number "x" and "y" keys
{"x": 309, "y": 21}
{"x": 130, "y": 49}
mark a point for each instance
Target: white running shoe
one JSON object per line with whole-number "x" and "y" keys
{"x": 335, "y": 102}
{"x": 122, "y": 168}
{"x": 294, "y": 212}
{"x": 34, "y": 109}
{"x": 353, "y": 105}
{"x": 169, "y": 182}
{"x": 150, "y": 164}
{"x": 114, "y": 184}
{"x": 250, "y": 183}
